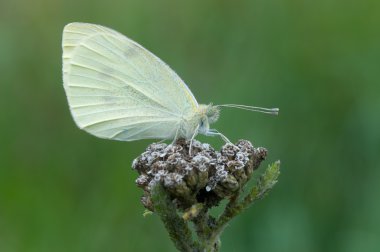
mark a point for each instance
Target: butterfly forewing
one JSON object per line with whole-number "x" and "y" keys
{"x": 117, "y": 89}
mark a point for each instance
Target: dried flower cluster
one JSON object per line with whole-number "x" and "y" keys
{"x": 206, "y": 176}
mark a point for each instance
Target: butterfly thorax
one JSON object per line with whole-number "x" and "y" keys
{"x": 198, "y": 121}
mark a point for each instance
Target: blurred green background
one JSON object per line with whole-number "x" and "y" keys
{"x": 62, "y": 189}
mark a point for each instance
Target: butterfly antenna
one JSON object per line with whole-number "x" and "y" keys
{"x": 271, "y": 111}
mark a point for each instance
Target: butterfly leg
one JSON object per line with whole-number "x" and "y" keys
{"x": 175, "y": 136}
{"x": 214, "y": 132}
{"x": 161, "y": 141}
{"x": 191, "y": 140}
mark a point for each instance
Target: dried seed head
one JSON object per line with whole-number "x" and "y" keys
{"x": 206, "y": 177}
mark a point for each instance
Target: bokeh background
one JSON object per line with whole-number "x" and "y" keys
{"x": 318, "y": 61}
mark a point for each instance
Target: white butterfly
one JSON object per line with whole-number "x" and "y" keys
{"x": 116, "y": 89}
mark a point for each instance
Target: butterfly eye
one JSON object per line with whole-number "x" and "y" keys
{"x": 212, "y": 114}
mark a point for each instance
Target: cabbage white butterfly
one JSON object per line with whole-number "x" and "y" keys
{"x": 116, "y": 89}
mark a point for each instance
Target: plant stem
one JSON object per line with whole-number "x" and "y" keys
{"x": 178, "y": 229}
{"x": 265, "y": 183}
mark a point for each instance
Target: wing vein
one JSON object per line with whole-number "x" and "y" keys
{"x": 124, "y": 127}
{"x": 137, "y": 132}
{"x": 120, "y": 118}
{"x": 77, "y": 85}
{"x": 117, "y": 109}
{"x": 123, "y": 81}
{"x": 118, "y": 55}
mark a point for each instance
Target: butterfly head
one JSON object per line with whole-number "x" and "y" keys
{"x": 208, "y": 115}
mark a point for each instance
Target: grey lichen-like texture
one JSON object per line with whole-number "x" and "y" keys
{"x": 206, "y": 176}
{"x": 180, "y": 186}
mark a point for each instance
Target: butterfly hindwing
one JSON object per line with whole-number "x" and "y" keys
{"x": 116, "y": 89}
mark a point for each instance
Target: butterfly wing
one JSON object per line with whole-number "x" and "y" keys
{"x": 116, "y": 89}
